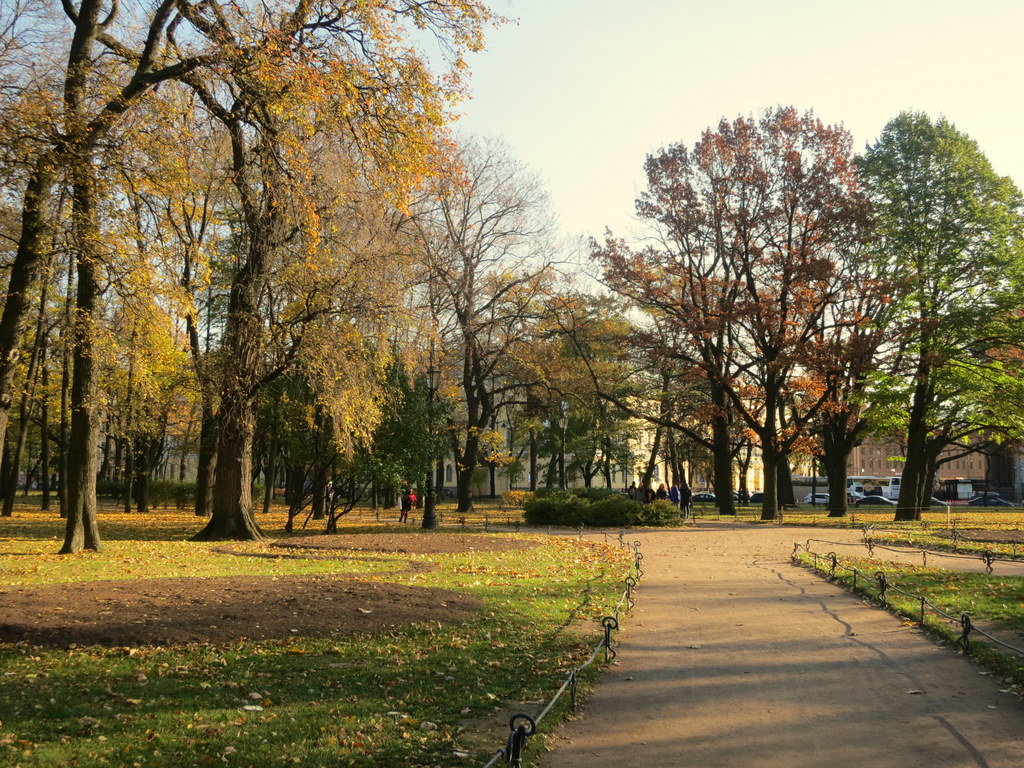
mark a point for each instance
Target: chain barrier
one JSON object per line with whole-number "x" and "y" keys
{"x": 522, "y": 726}
{"x": 988, "y": 557}
{"x": 884, "y": 587}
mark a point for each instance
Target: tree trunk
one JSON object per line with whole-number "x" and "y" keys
{"x": 652, "y": 459}
{"x": 25, "y": 271}
{"x": 270, "y": 474}
{"x": 913, "y": 480}
{"x": 465, "y": 465}
{"x": 142, "y": 452}
{"x": 320, "y": 493}
{"x": 207, "y": 461}
{"x": 44, "y": 432}
{"x": 24, "y": 410}
{"x": 533, "y": 458}
{"x": 62, "y": 446}
{"x": 787, "y": 497}
{"x": 770, "y": 505}
{"x": 464, "y": 489}
{"x": 838, "y": 436}
{"x": 835, "y": 465}
{"x": 721, "y": 454}
{"x": 82, "y": 531}
{"x": 232, "y": 513}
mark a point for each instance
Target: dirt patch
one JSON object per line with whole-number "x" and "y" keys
{"x": 409, "y": 543}
{"x": 192, "y": 610}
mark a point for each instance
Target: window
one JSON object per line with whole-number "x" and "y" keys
{"x": 447, "y": 473}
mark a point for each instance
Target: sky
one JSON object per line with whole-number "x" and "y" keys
{"x": 583, "y": 90}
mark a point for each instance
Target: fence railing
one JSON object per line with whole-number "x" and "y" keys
{"x": 986, "y": 556}
{"x": 829, "y": 563}
{"x": 521, "y": 725}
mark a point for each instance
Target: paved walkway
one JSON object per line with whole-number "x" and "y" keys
{"x": 734, "y": 657}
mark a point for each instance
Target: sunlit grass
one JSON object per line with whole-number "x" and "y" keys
{"x": 398, "y": 697}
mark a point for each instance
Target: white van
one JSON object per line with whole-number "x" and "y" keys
{"x": 891, "y": 490}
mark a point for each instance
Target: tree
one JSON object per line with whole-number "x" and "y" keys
{"x": 355, "y": 73}
{"x": 752, "y": 226}
{"x": 483, "y": 234}
{"x": 952, "y": 228}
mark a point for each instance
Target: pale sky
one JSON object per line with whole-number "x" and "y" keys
{"x": 583, "y": 90}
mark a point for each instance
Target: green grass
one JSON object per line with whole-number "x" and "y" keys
{"x": 363, "y": 700}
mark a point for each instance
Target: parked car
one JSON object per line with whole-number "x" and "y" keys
{"x": 816, "y": 498}
{"x": 979, "y": 498}
{"x": 990, "y": 501}
{"x": 757, "y": 498}
{"x": 875, "y": 501}
{"x": 703, "y": 496}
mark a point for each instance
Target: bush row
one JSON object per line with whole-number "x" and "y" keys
{"x": 162, "y": 493}
{"x": 569, "y": 509}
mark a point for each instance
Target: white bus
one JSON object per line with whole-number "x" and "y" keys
{"x": 865, "y": 485}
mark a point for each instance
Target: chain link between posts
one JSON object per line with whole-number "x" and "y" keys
{"x": 829, "y": 562}
{"x": 521, "y": 725}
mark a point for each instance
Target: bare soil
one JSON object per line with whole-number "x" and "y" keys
{"x": 176, "y": 611}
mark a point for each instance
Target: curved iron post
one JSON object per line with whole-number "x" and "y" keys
{"x": 630, "y": 586}
{"x": 883, "y": 584}
{"x": 965, "y": 630}
{"x": 517, "y": 738}
{"x": 609, "y": 623}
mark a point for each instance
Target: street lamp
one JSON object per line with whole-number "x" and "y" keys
{"x": 563, "y": 422}
{"x": 429, "y": 498}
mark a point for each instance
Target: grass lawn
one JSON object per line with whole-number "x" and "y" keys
{"x": 411, "y": 695}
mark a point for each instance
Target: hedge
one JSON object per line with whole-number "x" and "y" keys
{"x": 569, "y": 509}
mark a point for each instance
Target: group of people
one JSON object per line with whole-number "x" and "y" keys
{"x": 680, "y": 495}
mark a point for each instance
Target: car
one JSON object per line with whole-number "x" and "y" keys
{"x": 703, "y": 496}
{"x": 756, "y": 498}
{"x": 990, "y": 501}
{"x": 875, "y": 501}
{"x": 816, "y": 498}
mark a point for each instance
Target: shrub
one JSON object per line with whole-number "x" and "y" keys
{"x": 113, "y": 489}
{"x": 564, "y": 509}
{"x": 168, "y": 493}
{"x": 613, "y": 510}
{"x": 596, "y": 494}
{"x": 660, "y": 512}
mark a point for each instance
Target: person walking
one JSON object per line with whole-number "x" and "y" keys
{"x": 406, "y": 505}
{"x": 673, "y": 494}
{"x": 685, "y": 497}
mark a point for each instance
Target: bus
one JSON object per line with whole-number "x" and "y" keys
{"x": 867, "y": 485}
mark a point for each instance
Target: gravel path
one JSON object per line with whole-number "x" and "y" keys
{"x": 734, "y": 657}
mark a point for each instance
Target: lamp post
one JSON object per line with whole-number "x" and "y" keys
{"x": 429, "y": 498}
{"x": 563, "y": 422}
